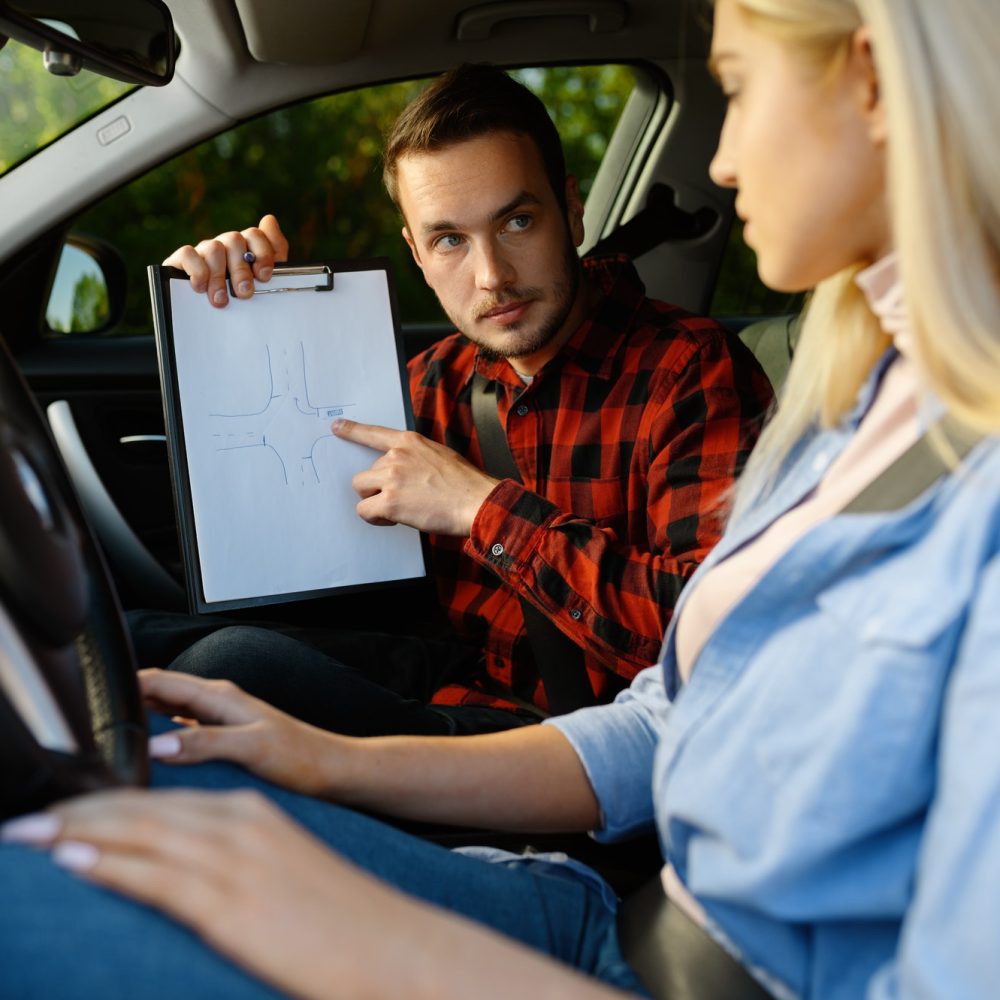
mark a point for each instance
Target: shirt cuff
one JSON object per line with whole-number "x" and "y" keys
{"x": 506, "y": 530}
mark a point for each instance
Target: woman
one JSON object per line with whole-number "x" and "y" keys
{"x": 817, "y": 747}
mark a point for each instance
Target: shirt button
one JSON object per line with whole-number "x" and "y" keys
{"x": 576, "y": 614}
{"x": 497, "y": 549}
{"x": 522, "y": 410}
{"x": 820, "y": 461}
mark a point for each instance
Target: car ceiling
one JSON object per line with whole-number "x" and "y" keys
{"x": 233, "y": 50}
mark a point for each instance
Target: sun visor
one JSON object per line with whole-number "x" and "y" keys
{"x": 274, "y": 31}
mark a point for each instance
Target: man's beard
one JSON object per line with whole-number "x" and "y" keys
{"x": 564, "y": 290}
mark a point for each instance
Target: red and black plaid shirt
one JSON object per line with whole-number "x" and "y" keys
{"x": 626, "y": 442}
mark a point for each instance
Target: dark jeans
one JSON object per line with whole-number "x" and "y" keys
{"x": 63, "y": 939}
{"x": 358, "y": 683}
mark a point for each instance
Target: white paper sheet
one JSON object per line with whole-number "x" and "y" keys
{"x": 260, "y": 383}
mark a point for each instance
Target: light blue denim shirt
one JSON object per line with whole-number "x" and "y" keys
{"x": 827, "y": 785}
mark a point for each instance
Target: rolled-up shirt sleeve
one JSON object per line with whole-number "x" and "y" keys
{"x": 616, "y": 744}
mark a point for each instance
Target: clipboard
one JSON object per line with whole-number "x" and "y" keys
{"x": 262, "y": 487}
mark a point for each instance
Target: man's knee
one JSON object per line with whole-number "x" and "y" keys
{"x": 279, "y": 669}
{"x": 236, "y": 652}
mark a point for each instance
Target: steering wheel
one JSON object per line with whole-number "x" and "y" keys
{"x": 71, "y": 716}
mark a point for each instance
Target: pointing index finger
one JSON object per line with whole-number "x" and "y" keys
{"x": 370, "y": 435}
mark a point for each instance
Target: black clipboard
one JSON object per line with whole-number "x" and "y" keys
{"x": 261, "y": 486}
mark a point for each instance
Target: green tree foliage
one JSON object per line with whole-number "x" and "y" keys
{"x": 317, "y": 167}
{"x": 90, "y": 303}
{"x": 37, "y": 107}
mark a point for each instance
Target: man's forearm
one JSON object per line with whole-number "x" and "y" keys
{"x": 613, "y": 599}
{"x": 523, "y": 779}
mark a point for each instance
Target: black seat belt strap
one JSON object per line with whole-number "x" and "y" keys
{"x": 559, "y": 660}
{"x": 497, "y": 458}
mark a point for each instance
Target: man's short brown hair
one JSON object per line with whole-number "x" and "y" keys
{"x": 465, "y": 103}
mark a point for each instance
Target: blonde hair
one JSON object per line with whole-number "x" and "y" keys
{"x": 938, "y": 78}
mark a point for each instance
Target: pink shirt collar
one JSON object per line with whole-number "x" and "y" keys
{"x": 883, "y": 289}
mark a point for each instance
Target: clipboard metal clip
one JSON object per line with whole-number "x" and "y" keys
{"x": 313, "y": 278}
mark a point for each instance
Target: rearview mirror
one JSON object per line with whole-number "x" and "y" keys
{"x": 132, "y": 41}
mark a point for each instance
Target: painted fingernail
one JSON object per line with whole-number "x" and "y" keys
{"x": 245, "y": 288}
{"x": 75, "y": 855}
{"x": 220, "y": 298}
{"x": 164, "y": 745}
{"x": 35, "y": 828}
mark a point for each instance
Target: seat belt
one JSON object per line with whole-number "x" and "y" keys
{"x": 918, "y": 468}
{"x": 559, "y": 660}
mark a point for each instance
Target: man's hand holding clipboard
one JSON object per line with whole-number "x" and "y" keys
{"x": 245, "y": 257}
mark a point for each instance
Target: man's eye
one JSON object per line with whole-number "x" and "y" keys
{"x": 517, "y": 223}
{"x": 447, "y": 242}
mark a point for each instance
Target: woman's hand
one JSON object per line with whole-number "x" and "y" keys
{"x": 264, "y": 892}
{"x": 249, "y": 881}
{"x": 233, "y": 725}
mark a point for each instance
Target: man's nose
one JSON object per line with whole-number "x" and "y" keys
{"x": 494, "y": 271}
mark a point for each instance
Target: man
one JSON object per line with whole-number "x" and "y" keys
{"x": 627, "y": 420}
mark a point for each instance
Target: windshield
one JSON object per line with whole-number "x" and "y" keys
{"x": 37, "y": 107}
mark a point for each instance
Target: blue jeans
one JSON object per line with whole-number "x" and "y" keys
{"x": 61, "y": 939}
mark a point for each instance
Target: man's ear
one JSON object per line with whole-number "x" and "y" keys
{"x": 413, "y": 250}
{"x": 574, "y": 210}
{"x": 869, "y": 93}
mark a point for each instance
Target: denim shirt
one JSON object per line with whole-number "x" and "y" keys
{"x": 827, "y": 784}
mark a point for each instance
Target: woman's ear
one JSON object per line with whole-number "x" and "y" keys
{"x": 869, "y": 93}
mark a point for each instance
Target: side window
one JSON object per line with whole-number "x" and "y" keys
{"x": 317, "y": 167}
{"x": 739, "y": 292}
{"x": 39, "y": 106}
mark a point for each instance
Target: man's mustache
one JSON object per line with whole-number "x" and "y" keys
{"x": 507, "y": 297}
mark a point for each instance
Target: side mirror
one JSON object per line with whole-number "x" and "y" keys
{"x": 88, "y": 291}
{"x": 132, "y": 41}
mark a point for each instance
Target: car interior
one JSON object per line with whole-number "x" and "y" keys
{"x": 115, "y": 184}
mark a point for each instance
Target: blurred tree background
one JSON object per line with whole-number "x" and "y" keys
{"x": 317, "y": 167}
{"x": 37, "y": 107}
{"x": 90, "y": 304}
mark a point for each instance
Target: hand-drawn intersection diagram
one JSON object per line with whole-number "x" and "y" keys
{"x": 289, "y": 423}
{"x": 257, "y": 386}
